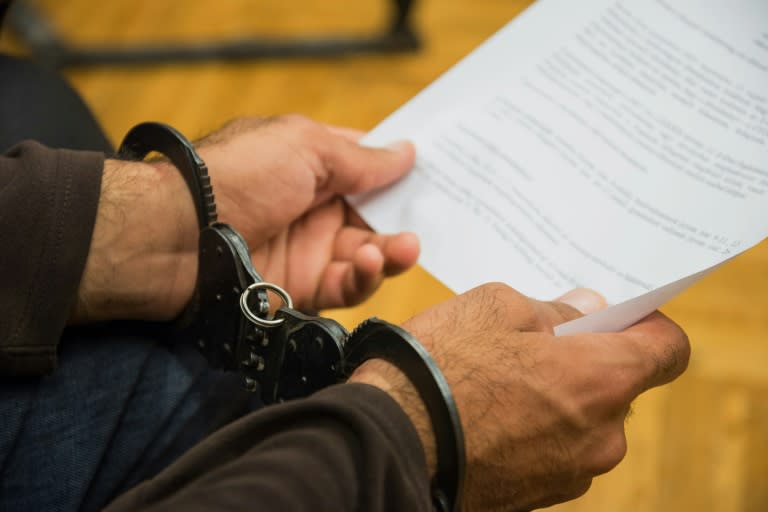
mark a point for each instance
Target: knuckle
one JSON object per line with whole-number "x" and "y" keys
{"x": 576, "y": 490}
{"x": 497, "y": 306}
{"x": 620, "y": 388}
{"x": 582, "y": 488}
{"x": 236, "y": 121}
{"x": 292, "y": 117}
{"x": 623, "y": 375}
{"x": 514, "y": 305}
{"x": 486, "y": 293}
{"x": 298, "y": 122}
{"x": 609, "y": 453}
{"x": 495, "y": 288}
{"x": 667, "y": 363}
{"x": 565, "y": 491}
{"x": 676, "y": 353}
{"x": 242, "y": 123}
{"x": 684, "y": 351}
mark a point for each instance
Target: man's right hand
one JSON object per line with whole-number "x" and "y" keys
{"x": 280, "y": 183}
{"x": 542, "y": 415}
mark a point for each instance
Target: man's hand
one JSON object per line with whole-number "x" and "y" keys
{"x": 279, "y": 182}
{"x": 542, "y": 415}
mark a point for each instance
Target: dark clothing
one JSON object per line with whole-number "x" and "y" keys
{"x": 347, "y": 448}
{"x": 74, "y": 439}
{"x": 122, "y": 405}
{"x": 31, "y": 95}
{"x": 48, "y": 202}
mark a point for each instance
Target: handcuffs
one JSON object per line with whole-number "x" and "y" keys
{"x": 289, "y": 354}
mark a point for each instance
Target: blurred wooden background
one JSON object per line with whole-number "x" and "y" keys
{"x": 700, "y": 444}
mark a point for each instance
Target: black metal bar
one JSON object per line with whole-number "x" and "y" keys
{"x": 49, "y": 48}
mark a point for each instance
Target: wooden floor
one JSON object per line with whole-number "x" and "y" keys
{"x": 698, "y": 445}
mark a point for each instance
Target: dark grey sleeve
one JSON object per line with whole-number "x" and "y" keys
{"x": 347, "y": 448}
{"x": 48, "y": 202}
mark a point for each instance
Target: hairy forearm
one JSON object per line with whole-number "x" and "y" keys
{"x": 143, "y": 255}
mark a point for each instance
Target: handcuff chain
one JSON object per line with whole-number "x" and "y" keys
{"x": 254, "y": 318}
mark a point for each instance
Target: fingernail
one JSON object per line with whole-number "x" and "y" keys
{"x": 399, "y": 145}
{"x": 585, "y": 300}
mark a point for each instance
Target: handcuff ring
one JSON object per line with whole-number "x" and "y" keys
{"x": 250, "y": 315}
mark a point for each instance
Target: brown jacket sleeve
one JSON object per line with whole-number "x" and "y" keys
{"x": 347, "y": 448}
{"x": 48, "y": 201}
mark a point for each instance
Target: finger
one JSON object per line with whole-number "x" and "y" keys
{"x": 585, "y": 300}
{"x": 550, "y": 314}
{"x": 346, "y": 283}
{"x": 353, "y": 169}
{"x": 651, "y": 353}
{"x": 351, "y": 134}
{"x": 574, "y": 304}
{"x": 400, "y": 251}
{"x": 661, "y": 347}
{"x": 346, "y": 167}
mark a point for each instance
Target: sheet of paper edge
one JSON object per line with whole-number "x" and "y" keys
{"x": 620, "y": 316}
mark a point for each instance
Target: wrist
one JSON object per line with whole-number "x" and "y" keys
{"x": 390, "y": 379}
{"x": 142, "y": 262}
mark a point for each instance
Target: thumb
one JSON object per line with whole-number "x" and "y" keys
{"x": 572, "y": 305}
{"x": 583, "y": 299}
{"x": 354, "y": 169}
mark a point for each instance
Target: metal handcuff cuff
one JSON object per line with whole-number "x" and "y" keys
{"x": 289, "y": 354}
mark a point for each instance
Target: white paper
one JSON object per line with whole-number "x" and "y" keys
{"x": 616, "y": 145}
